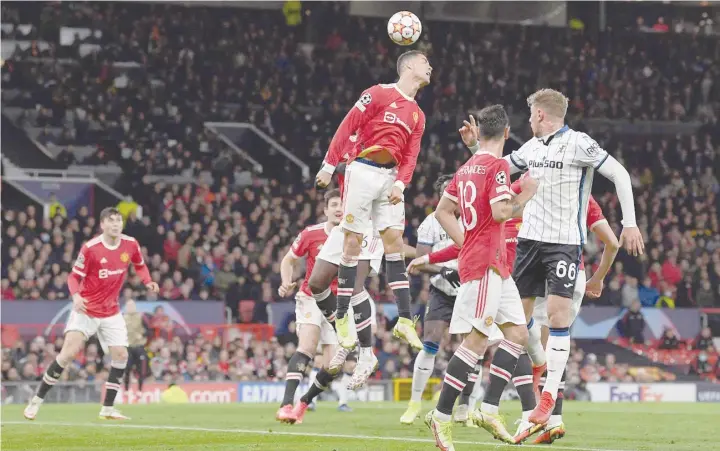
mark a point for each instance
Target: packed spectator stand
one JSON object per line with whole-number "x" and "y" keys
{"x": 138, "y": 90}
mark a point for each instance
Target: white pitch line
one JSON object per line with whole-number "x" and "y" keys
{"x": 287, "y": 433}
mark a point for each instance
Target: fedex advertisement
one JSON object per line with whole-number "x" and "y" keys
{"x": 633, "y": 392}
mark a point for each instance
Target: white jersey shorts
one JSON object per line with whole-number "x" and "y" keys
{"x": 372, "y": 249}
{"x": 307, "y": 312}
{"x": 480, "y": 304}
{"x": 540, "y": 314}
{"x": 111, "y": 331}
{"x": 366, "y": 203}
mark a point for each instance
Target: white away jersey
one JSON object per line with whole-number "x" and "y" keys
{"x": 432, "y": 234}
{"x": 564, "y": 164}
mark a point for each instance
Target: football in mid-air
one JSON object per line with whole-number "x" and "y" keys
{"x": 404, "y": 28}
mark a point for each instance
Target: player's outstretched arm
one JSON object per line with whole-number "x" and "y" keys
{"x": 503, "y": 210}
{"x": 287, "y": 269}
{"x": 630, "y": 238}
{"x": 594, "y": 286}
{"x": 434, "y": 258}
{"x": 592, "y": 155}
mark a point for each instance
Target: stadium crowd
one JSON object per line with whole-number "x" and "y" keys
{"x": 218, "y": 240}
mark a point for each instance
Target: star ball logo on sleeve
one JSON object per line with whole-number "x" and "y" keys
{"x": 501, "y": 178}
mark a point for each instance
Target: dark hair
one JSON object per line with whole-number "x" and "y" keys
{"x": 331, "y": 194}
{"x": 492, "y": 122}
{"x": 402, "y": 59}
{"x": 109, "y": 211}
{"x": 440, "y": 183}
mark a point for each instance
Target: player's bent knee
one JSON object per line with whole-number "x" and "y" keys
{"x": 431, "y": 347}
{"x": 119, "y": 354}
{"x": 517, "y": 334}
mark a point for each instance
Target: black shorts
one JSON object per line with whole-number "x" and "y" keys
{"x": 439, "y": 306}
{"x": 539, "y": 265}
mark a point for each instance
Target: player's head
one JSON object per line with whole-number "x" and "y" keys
{"x": 111, "y": 222}
{"x": 441, "y": 183}
{"x": 547, "y": 111}
{"x": 333, "y": 206}
{"x": 414, "y": 64}
{"x": 493, "y": 123}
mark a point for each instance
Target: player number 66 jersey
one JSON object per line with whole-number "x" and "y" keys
{"x": 431, "y": 233}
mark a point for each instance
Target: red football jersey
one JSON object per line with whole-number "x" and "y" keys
{"x": 308, "y": 244}
{"x": 512, "y": 227}
{"x": 103, "y": 270}
{"x": 384, "y": 118}
{"x": 483, "y": 180}
{"x": 340, "y": 154}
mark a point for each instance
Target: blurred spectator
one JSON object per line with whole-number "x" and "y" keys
{"x": 705, "y": 340}
{"x": 669, "y": 339}
{"x": 632, "y": 324}
{"x": 56, "y": 208}
{"x": 701, "y": 366}
{"x": 630, "y": 292}
{"x": 705, "y": 296}
{"x": 648, "y": 294}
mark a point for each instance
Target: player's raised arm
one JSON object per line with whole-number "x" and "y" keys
{"x": 596, "y": 157}
{"x": 503, "y": 205}
{"x": 599, "y": 225}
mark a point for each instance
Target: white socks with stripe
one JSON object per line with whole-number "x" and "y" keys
{"x": 558, "y": 352}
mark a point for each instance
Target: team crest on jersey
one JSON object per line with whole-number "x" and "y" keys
{"x": 349, "y": 219}
{"x": 366, "y": 98}
{"x": 415, "y": 116}
{"x": 124, "y": 257}
{"x": 489, "y": 321}
{"x": 518, "y": 226}
{"x": 501, "y": 178}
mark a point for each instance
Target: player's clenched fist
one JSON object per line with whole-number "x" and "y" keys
{"x": 322, "y": 179}
{"x": 396, "y": 196}
{"x": 153, "y": 287}
{"x": 286, "y": 289}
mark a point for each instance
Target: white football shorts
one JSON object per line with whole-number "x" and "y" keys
{"x": 480, "y": 304}
{"x": 111, "y": 331}
{"x": 372, "y": 249}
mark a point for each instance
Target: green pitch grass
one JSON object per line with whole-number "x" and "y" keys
{"x": 193, "y": 427}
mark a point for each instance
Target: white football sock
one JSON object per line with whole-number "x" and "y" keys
{"x": 555, "y": 420}
{"x": 424, "y": 365}
{"x": 558, "y": 352}
{"x": 534, "y": 347}
{"x": 340, "y": 387}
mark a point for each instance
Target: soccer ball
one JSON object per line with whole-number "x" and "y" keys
{"x": 404, "y": 28}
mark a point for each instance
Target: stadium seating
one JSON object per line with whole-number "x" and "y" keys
{"x": 138, "y": 94}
